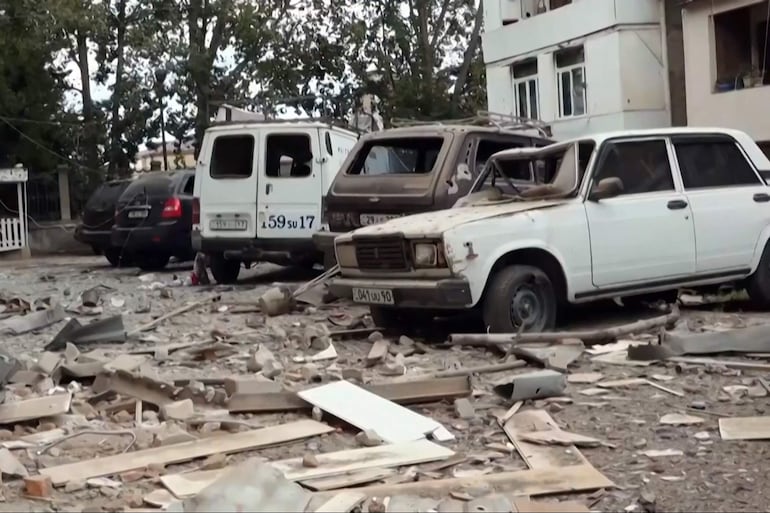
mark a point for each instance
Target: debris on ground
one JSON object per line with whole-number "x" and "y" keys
{"x": 207, "y": 404}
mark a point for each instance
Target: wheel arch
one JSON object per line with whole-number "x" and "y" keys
{"x": 535, "y": 256}
{"x": 759, "y": 249}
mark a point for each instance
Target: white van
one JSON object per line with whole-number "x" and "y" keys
{"x": 259, "y": 187}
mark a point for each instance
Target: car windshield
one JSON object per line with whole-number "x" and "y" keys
{"x": 398, "y": 156}
{"x": 552, "y": 172}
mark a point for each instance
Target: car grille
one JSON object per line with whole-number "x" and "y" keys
{"x": 381, "y": 254}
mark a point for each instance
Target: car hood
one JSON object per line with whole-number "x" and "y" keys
{"x": 436, "y": 223}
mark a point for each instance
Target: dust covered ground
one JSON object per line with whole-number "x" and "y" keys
{"x": 703, "y": 472}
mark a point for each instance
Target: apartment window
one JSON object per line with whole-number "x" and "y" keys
{"x": 525, "y": 89}
{"x": 741, "y": 47}
{"x": 570, "y": 77}
{"x": 531, "y": 8}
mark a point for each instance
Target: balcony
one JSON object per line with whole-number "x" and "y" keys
{"x": 556, "y": 26}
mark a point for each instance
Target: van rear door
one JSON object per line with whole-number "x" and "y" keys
{"x": 228, "y": 180}
{"x": 290, "y": 183}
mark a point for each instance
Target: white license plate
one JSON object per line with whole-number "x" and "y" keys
{"x": 228, "y": 224}
{"x": 137, "y": 214}
{"x": 369, "y": 219}
{"x": 373, "y": 296}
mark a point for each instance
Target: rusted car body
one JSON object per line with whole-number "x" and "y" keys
{"x": 404, "y": 171}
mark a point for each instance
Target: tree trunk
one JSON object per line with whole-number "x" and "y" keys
{"x": 91, "y": 152}
{"x": 117, "y": 163}
{"x": 470, "y": 52}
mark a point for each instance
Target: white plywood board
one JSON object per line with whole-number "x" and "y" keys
{"x": 365, "y": 410}
{"x": 744, "y": 428}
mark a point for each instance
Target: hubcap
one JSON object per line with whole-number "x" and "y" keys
{"x": 527, "y": 307}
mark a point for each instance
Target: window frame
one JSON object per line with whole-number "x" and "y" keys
{"x": 213, "y": 153}
{"x": 361, "y": 156}
{"x": 288, "y": 134}
{"x": 569, "y": 70}
{"x": 597, "y": 159}
{"x": 531, "y": 83}
{"x": 705, "y": 139}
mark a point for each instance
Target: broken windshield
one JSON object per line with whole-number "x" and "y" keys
{"x": 550, "y": 172}
{"x": 405, "y": 155}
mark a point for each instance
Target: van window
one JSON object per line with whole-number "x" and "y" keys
{"x": 416, "y": 155}
{"x": 288, "y": 156}
{"x": 232, "y": 156}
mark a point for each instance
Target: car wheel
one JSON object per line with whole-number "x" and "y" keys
{"x": 668, "y": 296}
{"x": 758, "y": 284}
{"x": 152, "y": 261}
{"x": 114, "y": 257}
{"x": 225, "y": 271}
{"x": 520, "y": 297}
{"x": 96, "y": 250}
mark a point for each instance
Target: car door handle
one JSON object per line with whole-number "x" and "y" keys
{"x": 676, "y": 204}
{"x": 268, "y": 188}
{"x": 762, "y": 197}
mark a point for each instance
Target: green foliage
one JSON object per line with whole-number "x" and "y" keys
{"x": 316, "y": 55}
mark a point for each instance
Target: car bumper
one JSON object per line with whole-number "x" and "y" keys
{"x": 100, "y": 239}
{"x": 171, "y": 238}
{"x": 441, "y": 294}
{"x": 254, "y": 250}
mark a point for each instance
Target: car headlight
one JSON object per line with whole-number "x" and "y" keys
{"x": 428, "y": 254}
{"x": 346, "y": 255}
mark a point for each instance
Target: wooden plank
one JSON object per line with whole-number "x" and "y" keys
{"x": 347, "y": 479}
{"x": 333, "y": 463}
{"x": 405, "y": 392}
{"x": 185, "y": 451}
{"x": 330, "y": 464}
{"x": 525, "y": 505}
{"x": 575, "y": 478}
{"x": 744, "y": 428}
{"x": 30, "y": 409}
{"x": 538, "y": 456}
{"x": 365, "y": 410}
{"x": 343, "y": 502}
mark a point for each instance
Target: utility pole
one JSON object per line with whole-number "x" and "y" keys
{"x": 160, "y": 77}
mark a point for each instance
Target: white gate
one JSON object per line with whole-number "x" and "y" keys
{"x": 11, "y": 233}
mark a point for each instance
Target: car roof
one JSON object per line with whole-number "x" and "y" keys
{"x": 438, "y": 128}
{"x": 755, "y": 154}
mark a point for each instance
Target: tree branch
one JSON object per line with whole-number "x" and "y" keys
{"x": 462, "y": 75}
{"x": 440, "y": 23}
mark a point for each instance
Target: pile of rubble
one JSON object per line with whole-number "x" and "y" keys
{"x": 325, "y": 413}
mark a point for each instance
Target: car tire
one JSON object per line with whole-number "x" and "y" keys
{"x": 758, "y": 284}
{"x": 669, "y": 296}
{"x": 152, "y": 261}
{"x": 520, "y": 295}
{"x": 115, "y": 257}
{"x": 97, "y": 250}
{"x": 224, "y": 271}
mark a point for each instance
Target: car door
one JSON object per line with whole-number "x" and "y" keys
{"x": 729, "y": 200}
{"x": 290, "y": 184}
{"x": 646, "y": 233}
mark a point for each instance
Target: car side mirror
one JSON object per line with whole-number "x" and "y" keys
{"x": 606, "y": 188}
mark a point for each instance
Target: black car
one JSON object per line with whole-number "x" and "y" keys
{"x": 96, "y": 221}
{"x": 153, "y": 218}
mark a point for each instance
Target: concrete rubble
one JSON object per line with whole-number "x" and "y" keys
{"x": 196, "y": 401}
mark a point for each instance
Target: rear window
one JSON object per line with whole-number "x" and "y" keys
{"x": 232, "y": 156}
{"x": 107, "y": 193}
{"x": 404, "y": 156}
{"x": 155, "y": 186}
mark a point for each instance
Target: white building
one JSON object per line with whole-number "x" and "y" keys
{"x": 727, "y": 63}
{"x": 579, "y": 65}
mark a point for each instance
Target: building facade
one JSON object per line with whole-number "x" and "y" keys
{"x": 727, "y": 65}
{"x": 579, "y": 65}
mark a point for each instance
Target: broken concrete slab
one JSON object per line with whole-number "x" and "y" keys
{"x": 378, "y": 352}
{"x": 33, "y": 321}
{"x": 251, "y": 486}
{"x": 532, "y": 385}
{"x": 464, "y": 409}
{"x": 178, "y": 410}
{"x": 102, "y": 331}
{"x": 753, "y": 339}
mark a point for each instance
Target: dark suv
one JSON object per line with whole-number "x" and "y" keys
{"x": 97, "y": 219}
{"x": 153, "y": 218}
